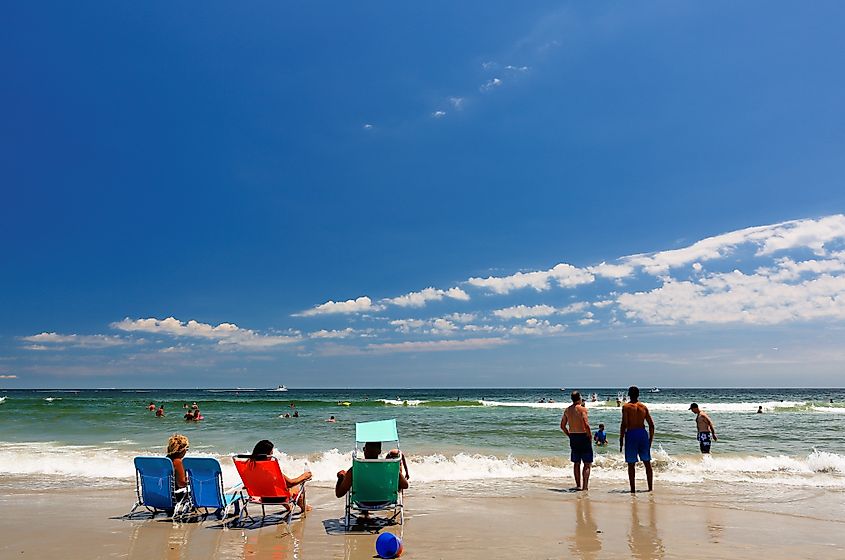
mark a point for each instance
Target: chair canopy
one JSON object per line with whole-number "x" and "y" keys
{"x": 263, "y": 478}
{"x": 155, "y": 475}
{"x": 381, "y": 430}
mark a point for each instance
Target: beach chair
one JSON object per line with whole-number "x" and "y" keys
{"x": 265, "y": 485}
{"x": 155, "y": 487}
{"x": 375, "y": 482}
{"x": 205, "y": 483}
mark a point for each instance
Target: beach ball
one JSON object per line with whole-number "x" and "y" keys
{"x": 388, "y": 545}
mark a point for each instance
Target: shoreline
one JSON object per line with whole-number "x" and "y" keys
{"x": 525, "y": 520}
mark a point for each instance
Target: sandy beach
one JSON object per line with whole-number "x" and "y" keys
{"x": 529, "y": 520}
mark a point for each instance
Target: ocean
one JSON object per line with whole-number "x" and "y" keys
{"x": 451, "y": 436}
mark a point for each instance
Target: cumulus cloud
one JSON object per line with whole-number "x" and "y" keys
{"x": 5, "y": 376}
{"x": 427, "y": 326}
{"x": 520, "y": 69}
{"x": 769, "y": 296}
{"x": 537, "y": 327}
{"x": 357, "y": 305}
{"x": 438, "y": 114}
{"x": 341, "y": 333}
{"x": 809, "y": 233}
{"x": 523, "y": 311}
{"x": 613, "y": 271}
{"x": 368, "y": 126}
{"x": 43, "y": 339}
{"x": 225, "y": 334}
{"x": 419, "y": 299}
{"x": 564, "y": 275}
{"x": 461, "y": 317}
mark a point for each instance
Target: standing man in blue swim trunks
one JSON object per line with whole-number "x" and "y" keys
{"x": 576, "y": 425}
{"x": 634, "y": 437}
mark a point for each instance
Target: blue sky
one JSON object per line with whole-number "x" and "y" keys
{"x": 186, "y": 191}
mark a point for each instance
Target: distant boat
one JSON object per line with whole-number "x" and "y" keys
{"x": 654, "y": 390}
{"x": 281, "y": 388}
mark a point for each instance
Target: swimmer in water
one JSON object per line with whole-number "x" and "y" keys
{"x": 760, "y": 409}
{"x": 160, "y": 411}
{"x": 331, "y": 419}
{"x": 152, "y": 406}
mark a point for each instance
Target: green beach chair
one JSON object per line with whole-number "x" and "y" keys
{"x": 375, "y": 482}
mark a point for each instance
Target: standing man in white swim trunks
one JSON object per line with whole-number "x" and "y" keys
{"x": 705, "y": 427}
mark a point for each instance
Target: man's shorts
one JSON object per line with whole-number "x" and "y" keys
{"x": 636, "y": 444}
{"x": 704, "y": 441}
{"x": 581, "y": 448}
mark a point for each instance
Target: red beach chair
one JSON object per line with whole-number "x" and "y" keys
{"x": 266, "y": 486}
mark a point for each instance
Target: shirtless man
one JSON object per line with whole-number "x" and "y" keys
{"x": 705, "y": 427}
{"x": 575, "y": 424}
{"x": 636, "y": 440}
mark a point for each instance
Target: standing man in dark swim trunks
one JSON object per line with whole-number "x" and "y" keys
{"x": 636, "y": 440}
{"x": 576, "y": 425}
{"x": 705, "y": 428}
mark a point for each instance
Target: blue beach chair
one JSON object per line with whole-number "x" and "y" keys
{"x": 375, "y": 481}
{"x": 205, "y": 480}
{"x": 155, "y": 487}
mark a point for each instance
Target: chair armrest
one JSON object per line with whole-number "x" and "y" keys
{"x": 234, "y": 488}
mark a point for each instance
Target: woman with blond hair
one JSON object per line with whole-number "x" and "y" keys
{"x": 177, "y": 446}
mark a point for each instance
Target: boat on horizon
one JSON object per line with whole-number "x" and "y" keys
{"x": 654, "y": 390}
{"x": 280, "y": 388}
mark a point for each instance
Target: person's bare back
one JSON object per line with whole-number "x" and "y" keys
{"x": 634, "y": 415}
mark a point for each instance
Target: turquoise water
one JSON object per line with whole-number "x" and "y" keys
{"x": 468, "y": 434}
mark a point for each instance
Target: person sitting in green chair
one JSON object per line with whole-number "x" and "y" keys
{"x": 372, "y": 449}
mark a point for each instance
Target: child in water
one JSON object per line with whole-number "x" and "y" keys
{"x": 600, "y": 436}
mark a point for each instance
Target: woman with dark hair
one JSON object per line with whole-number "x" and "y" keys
{"x": 263, "y": 451}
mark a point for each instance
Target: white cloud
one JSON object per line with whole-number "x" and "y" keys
{"x": 226, "y": 334}
{"x": 489, "y": 65}
{"x": 613, "y": 271}
{"x": 342, "y": 333}
{"x": 438, "y": 114}
{"x": 461, "y": 317}
{"x": 457, "y": 103}
{"x": 603, "y": 303}
{"x": 523, "y": 311}
{"x": 8, "y": 376}
{"x": 565, "y": 275}
{"x": 358, "y": 305}
{"x": 537, "y": 327}
{"x": 521, "y": 69}
{"x": 763, "y": 298}
{"x": 419, "y": 299}
{"x": 812, "y": 234}
{"x": 79, "y": 340}
{"x": 427, "y": 326}
{"x": 490, "y": 84}
{"x": 368, "y": 126}
{"x": 437, "y": 345}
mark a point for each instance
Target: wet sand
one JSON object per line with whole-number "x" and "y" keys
{"x": 530, "y": 520}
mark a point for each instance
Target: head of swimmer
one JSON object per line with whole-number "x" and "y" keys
{"x": 694, "y": 408}
{"x": 634, "y": 393}
{"x": 576, "y": 397}
{"x": 372, "y": 449}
